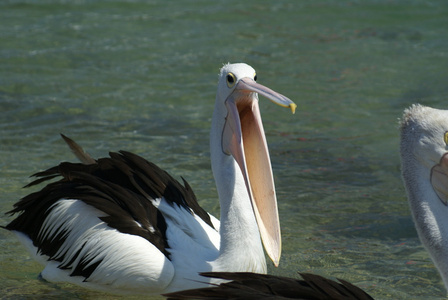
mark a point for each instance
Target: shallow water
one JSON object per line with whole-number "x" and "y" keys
{"x": 141, "y": 76}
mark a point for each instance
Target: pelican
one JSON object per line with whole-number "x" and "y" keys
{"x": 244, "y": 285}
{"x": 123, "y": 225}
{"x": 424, "y": 167}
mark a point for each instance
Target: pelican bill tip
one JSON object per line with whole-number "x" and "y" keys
{"x": 293, "y": 107}
{"x": 275, "y": 257}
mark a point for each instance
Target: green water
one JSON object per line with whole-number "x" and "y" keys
{"x": 141, "y": 76}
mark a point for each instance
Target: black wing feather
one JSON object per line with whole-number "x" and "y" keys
{"x": 260, "y": 286}
{"x": 121, "y": 186}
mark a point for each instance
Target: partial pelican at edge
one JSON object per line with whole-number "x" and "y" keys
{"x": 424, "y": 168}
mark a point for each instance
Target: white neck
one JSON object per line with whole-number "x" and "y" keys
{"x": 429, "y": 213}
{"x": 241, "y": 248}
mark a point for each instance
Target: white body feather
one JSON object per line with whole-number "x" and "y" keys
{"x": 131, "y": 264}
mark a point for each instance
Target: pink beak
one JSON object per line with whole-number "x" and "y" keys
{"x": 439, "y": 179}
{"x": 244, "y": 139}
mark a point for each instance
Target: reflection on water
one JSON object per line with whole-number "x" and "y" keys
{"x": 141, "y": 76}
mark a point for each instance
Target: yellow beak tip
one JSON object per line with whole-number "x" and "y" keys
{"x": 293, "y": 107}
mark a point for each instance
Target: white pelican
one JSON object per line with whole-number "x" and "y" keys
{"x": 245, "y": 285}
{"x": 121, "y": 224}
{"x": 424, "y": 165}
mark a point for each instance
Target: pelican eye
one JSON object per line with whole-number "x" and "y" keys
{"x": 445, "y": 137}
{"x": 231, "y": 80}
{"x": 255, "y": 77}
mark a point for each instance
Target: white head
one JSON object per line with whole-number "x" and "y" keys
{"x": 238, "y": 82}
{"x": 424, "y": 133}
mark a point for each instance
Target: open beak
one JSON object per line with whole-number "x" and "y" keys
{"x": 439, "y": 179}
{"x": 244, "y": 139}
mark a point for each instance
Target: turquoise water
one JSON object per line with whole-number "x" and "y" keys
{"x": 141, "y": 76}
